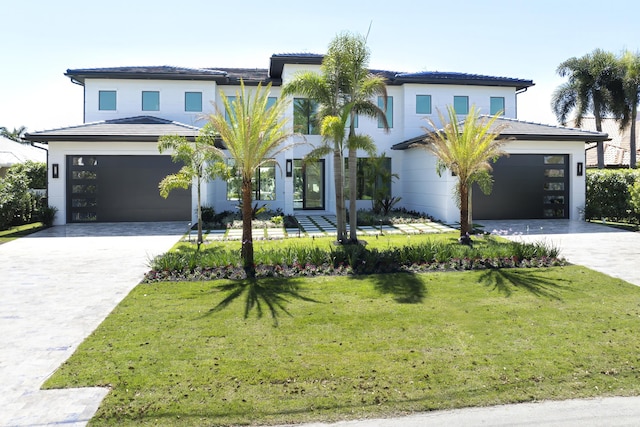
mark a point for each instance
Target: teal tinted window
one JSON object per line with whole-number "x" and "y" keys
{"x": 150, "y": 101}
{"x": 461, "y": 104}
{"x": 193, "y": 101}
{"x": 230, "y": 100}
{"x": 271, "y": 101}
{"x": 107, "y": 100}
{"x": 355, "y": 121}
{"x": 389, "y": 111}
{"x": 497, "y": 105}
{"x": 423, "y": 104}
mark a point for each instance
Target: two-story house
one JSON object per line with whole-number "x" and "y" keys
{"x": 108, "y": 168}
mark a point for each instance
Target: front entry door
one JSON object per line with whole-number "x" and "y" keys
{"x": 308, "y": 184}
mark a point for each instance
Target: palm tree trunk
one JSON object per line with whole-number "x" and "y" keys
{"x": 199, "y": 215}
{"x": 338, "y": 167}
{"x": 353, "y": 195}
{"x": 247, "y": 238}
{"x": 464, "y": 209}
{"x": 600, "y": 144}
{"x": 632, "y": 137}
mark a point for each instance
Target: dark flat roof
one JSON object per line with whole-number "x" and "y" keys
{"x": 141, "y": 128}
{"x": 253, "y": 76}
{"x": 524, "y": 131}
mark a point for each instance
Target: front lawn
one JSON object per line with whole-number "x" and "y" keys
{"x": 19, "y": 231}
{"x": 359, "y": 346}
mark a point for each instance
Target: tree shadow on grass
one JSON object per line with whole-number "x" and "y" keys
{"x": 505, "y": 280}
{"x": 406, "y": 288}
{"x": 271, "y": 295}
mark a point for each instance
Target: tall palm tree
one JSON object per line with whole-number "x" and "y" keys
{"x": 587, "y": 90}
{"x": 201, "y": 160}
{"x": 254, "y": 134}
{"x": 627, "y": 98}
{"x": 467, "y": 150}
{"x": 324, "y": 89}
{"x": 349, "y": 56}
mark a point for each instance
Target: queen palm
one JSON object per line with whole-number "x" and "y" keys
{"x": 254, "y": 134}
{"x": 627, "y": 98}
{"x": 467, "y": 150}
{"x": 323, "y": 88}
{"x": 15, "y": 135}
{"x": 587, "y": 90}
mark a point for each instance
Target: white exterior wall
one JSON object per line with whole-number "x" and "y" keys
{"x": 58, "y": 152}
{"x": 129, "y": 99}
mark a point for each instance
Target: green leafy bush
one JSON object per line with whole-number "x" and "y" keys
{"x": 608, "y": 195}
{"x": 18, "y": 204}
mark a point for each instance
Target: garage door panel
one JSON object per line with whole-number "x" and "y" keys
{"x": 526, "y": 186}
{"x": 127, "y": 190}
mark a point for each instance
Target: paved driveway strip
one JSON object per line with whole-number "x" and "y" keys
{"x": 57, "y": 286}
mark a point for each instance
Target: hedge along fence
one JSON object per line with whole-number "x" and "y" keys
{"x": 608, "y": 195}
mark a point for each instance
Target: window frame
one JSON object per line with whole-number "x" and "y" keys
{"x": 115, "y": 100}
{"x": 461, "y": 98}
{"x": 187, "y": 105}
{"x": 144, "y": 101}
{"x": 309, "y": 119}
{"x": 493, "y": 111}
{"x": 423, "y": 96}
{"x": 389, "y": 111}
{"x": 234, "y": 184}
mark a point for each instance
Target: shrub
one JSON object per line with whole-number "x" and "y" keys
{"x": 47, "y": 214}
{"x": 608, "y": 195}
{"x": 208, "y": 214}
{"x": 17, "y": 203}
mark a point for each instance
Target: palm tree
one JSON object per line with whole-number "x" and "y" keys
{"x": 202, "y": 161}
{"x": 349, "y": 56}
{"x": 15, "y": 135}
{"x": 324, "y": 89}
{"x": 587, "y": 90}
{"x": 254, "y": 135}
{"x": 467, "y": 150}
{"x": 627, "y": 98}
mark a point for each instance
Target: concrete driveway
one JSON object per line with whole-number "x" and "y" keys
{"x": 56, "y": 287}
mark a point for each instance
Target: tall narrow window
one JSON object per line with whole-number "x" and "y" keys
{"x": 271, "y": 101}
{"x": 423, "y": 104}
{"x": 304, "y": 116}
{"x": 193, "y": 101}
{"x": 150, "y": 101}
{"x": 497, "y": 105}
{"x": 231, "y": 100}
{"x": 461, "y": 104}
{"x": 389, "y": 111}
{"x": 107, "y": 100}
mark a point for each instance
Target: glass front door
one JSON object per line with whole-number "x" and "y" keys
{"x": 308, "y": 184}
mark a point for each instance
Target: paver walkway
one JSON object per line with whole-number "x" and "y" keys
{"x": 56, "y": 287}
{"x": 325, "y": 225}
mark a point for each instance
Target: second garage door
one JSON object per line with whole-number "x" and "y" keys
{"x": 123, "y": 188}
{"x": 526, "y": 186}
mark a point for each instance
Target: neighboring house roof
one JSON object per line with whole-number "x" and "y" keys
{"x": 616, "y": 151}
{"x": 141, "y": 128}
{"x": 252, "y": 76}
{"x": 526, "y": 131}
{"x": 12, "y": 152}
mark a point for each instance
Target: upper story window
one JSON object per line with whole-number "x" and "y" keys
{"x": 355, "y": 121}
{"x": 389, "y": 111}
{"x": 461, "y": 104}
{"x": 423, "y": 104}
{"x": 107, "y": 100}
{"x": 497, "y": 105}
{"x": 150, "y": 101}
{"x": 193, "y": 101}
{"x": 304, "y": 116}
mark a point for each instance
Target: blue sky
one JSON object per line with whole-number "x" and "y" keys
{"x": 41, "y": 39}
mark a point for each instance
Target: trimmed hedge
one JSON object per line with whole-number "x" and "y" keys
{"x": 608, "y": 195}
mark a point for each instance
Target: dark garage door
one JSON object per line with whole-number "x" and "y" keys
{"x": 526, "y": 186}
{"x": 123, "y": 188}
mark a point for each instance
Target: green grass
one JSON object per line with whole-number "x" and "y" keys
{"x": 353, "y": 347}
{"x": 19, "y": 231}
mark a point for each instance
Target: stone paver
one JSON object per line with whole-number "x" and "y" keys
{"x": 57, "y": 286}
